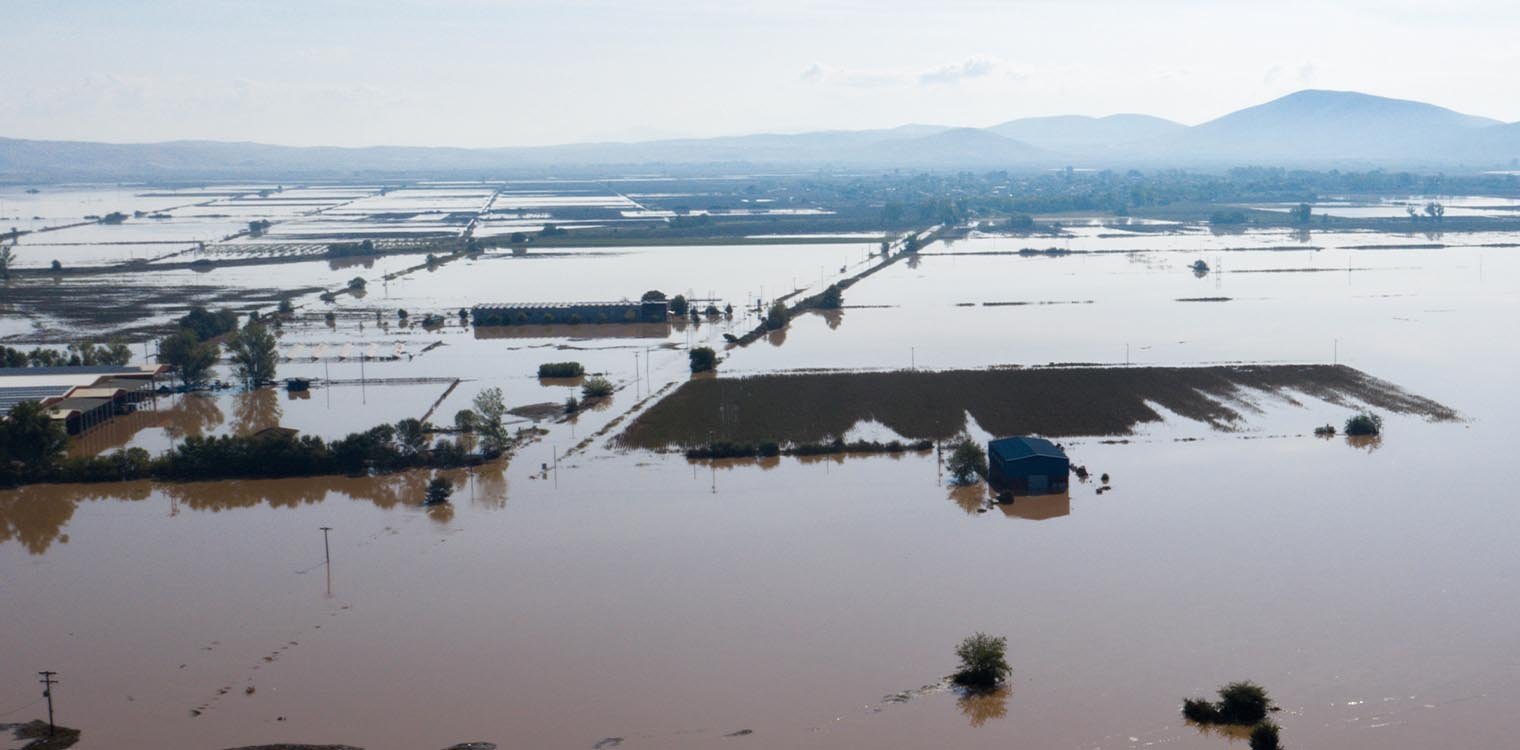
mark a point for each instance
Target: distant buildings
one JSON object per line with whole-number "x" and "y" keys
{"x": 80, "y": 397}
{"x": 523, "y": 313}
{"x": 1027, "y": 465}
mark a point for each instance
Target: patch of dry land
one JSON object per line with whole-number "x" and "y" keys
{"x": 1052, "y": 401}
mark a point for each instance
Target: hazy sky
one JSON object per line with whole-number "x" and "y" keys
{"x": 478, "y": 73}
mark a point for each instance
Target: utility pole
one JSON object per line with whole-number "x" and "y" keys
{"x": 326, "y": 550}
{"x": 47, "y": 692}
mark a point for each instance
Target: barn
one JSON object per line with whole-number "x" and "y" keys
{"x": 1027, "y": 465}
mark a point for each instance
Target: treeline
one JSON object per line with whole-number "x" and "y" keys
{"x": 32, "y": 450}
{"x": 725, "y": 449}
{"x": 114, "y": 353}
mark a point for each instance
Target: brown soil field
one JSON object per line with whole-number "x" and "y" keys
{"x": 1052, "y": 401}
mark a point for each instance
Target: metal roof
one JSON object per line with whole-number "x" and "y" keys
{"x": 9, "y": 397}
{"x": 556, "y": 305}
{"x": 1015, "y": 448}
{"x": 7, "y": 372}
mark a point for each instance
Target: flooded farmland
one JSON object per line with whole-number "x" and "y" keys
{"x": 587, "y": 594}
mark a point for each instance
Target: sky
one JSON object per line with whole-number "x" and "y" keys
{"x": 475, "y": 73}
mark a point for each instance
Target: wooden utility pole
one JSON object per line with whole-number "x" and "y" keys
{"x": 47, "y": 692}
{"x": 326, "y": 550}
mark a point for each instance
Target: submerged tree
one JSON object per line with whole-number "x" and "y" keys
{"x": 190, "y": 357}
{"x": 7, "y": 257}
{"x": 832, "y": 298}
{"x": 253, "y": 355}
{"x": 491, "y": 412}
{"x": 967, "y": 462}
{"x": 777, "y": 317}
{"x": 703, "y": 359}
{"x": 983, "y": 662}
{"x": 438, "y": 491}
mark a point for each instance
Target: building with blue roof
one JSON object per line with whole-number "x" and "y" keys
{"x": 1027, "y": 465}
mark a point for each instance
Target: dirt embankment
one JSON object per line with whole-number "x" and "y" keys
{"x": 1055, "y": 401}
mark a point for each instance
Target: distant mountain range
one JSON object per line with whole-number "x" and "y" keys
{"x": 1307, "y": 128}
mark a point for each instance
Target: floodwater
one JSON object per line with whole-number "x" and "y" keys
{"x": 1371, "y": 587}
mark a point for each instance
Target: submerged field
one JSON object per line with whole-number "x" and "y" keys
{"x": 601, "y": 591}
{"x": 1053, "y": 401}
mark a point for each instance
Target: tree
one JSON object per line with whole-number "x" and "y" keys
{"x": 832, "y": 298}
{"x": 703, "y": 359}
{"x": 252, "y": 351}
{"x": 1266, "y": 736}
{"x": 653, "y": 295}
{"x": 1241, "y": 703}
{"x": 1435, "y": 210}
{"x": 7, "y": 257}
{"x": 1300, "y": 214}
{"x": 678, "y": 304}
{"x": 438, "y": 491}
{"x": 190, "y": 357}
{"x": 30, "y": 436}
{"x": 596, "y": 387}
{"x": 777, "y": 317}
{"x": 491, "y": 413}
{"x": 465, "y": 420}
{"x": 967, "y": 462}
{"x": 1365, "y": 423}
{"x": 983, "y": 662}
{"x": 412, "y": 436}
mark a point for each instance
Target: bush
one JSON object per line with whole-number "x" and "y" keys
{"x": 1240, "y": 703}
{"x": 356, "y": 283}
{"x": 596, "y": 387}
{"x": 438, "y": 491}
{"x": 561, "y": 370}
{"x": 703, "y": 359}
{"x": 983, "y": 664}
{"x": 1365, "y": 423}
{"x": 832, "y": 298}
{"x": 1265, "y": 736}
{"x": 777, "y": 317}
{"x": 1325, "y": 431}
{"x": 967, "y": 462}
{"x": 572, "y": 405}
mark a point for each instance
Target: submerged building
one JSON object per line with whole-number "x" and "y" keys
{"x": 1027, "y": 465}
{"x": 523, "y": 313}
{"x": 80, "y": 397}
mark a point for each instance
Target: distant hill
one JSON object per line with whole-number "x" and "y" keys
{"x": 1307, "y": 128}
{"x": 1076, "y": 133}
{"x": 1331, "y": 125}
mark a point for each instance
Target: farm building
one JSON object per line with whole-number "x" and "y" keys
{"x": 519, "y": 313}
{"x": 1027, "y": 465}
{"x": 80, "y": 397}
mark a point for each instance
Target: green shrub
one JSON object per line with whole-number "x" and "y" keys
{"x": 464, "y": 420}
{"x": 1240, "y": 703}
{"x": 572, "y": 405}
{"x": 1365, "y": 423}
{"x": 983, "y": 662}
{"x": 596, "y": 387}
{"x": 1265, "y": 736}
{"x": 967, "y": 462}
{"x": 1325, "y": 431}
{"x": 777, "y": 317}
{"x": 703, "y": 359}
{"x": 438, "y": 491}
{"x": 561, "y": 370}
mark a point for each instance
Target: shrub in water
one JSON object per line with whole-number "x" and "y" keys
{"x": 1241, "y": 703}
{"x": 561, "y": 370}
{"x": 983, "y": 663}
{"x": 597, "y": 387}
{"x": 967, "y": 462}
{"x": 1365, "y": 423}
{"x": 703, "y": 359}
{"x": 1265, "y": 737}
{"x": 438, "y": 491}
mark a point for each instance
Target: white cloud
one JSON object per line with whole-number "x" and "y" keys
{"x": 939, "y": 75}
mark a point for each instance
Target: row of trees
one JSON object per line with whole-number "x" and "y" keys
{"x": 113, "y": 353}
{"x": 192, "y": 352}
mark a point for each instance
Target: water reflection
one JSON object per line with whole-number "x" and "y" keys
{"x": 256, "y": 410}
{"x": 1231, "y": 732}
{"x": 971, "y": 498}
{"x": 1038, "y": 507}
{"x": 982, "y": 706}
{"x": 194, "y": 415}
{"x": 1367, "y": 443}
{"x": 36, "y": 515}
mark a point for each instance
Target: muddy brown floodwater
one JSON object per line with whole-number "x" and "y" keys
{"x": 632, "y": 599}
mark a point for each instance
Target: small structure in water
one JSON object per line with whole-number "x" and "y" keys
{"x": 1027, "y": 465}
